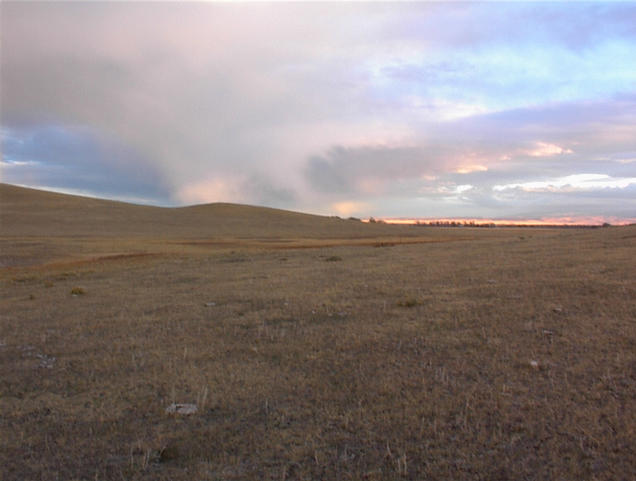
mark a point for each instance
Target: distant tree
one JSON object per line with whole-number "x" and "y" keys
{"x": 607, "y": 224}
{"x": 372, "y": 220}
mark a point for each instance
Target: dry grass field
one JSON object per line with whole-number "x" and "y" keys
{"x": 313, "y": 348}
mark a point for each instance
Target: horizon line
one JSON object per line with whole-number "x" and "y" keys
{"x": 573, "y": 221}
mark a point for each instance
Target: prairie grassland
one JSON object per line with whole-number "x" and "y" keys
{"x": 489, "y": 354}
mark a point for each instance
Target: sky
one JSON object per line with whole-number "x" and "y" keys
{"x": 412, "y": 110}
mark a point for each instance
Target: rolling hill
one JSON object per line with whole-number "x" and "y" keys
{"x": 30, "y": 212}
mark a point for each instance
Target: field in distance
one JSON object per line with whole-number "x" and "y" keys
{"x": 312, "y": 347}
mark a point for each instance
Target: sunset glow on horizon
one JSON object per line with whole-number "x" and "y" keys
{"x": 502, "y": 110}
{"x": 557, "y": 221}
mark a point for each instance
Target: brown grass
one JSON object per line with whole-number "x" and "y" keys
{"x": 494, "y": 358}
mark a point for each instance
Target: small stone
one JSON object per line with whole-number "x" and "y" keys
{"x": 46, "y": 362}
{"x": 534, "y": 364}
{"x": 182, "y": 408}
{"x": 210, "y": 304}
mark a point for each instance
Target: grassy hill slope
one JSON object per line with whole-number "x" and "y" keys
{"x": 30, "y": 212}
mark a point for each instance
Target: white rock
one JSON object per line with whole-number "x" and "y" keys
{"x": 46, "y": 361}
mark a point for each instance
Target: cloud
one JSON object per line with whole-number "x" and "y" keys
{"x": 577, "y": 26}
{"x": 543, "y": 149}
{"x": 368, "y": 108}
{"x": 240, "y": 189}
{"x": 467, "y": 169}
{"x": 365, "y": 169}
{"x": 571, "y": 182}
{"x": 78, "y": 160}
{"x": 348, "y": 208}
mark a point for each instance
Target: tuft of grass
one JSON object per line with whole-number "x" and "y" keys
{"x": 24, "y": 279}
{"x": 333, "y": 259}
{"x": 77, "y": 291}
{"x": 384, "y": 244}
{"x": 408, "y": 302}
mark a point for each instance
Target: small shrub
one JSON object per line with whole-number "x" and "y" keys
{"x": 24, "y": 279}
{"x": 333, "y": 259}
{"x": 410, "y": 302}
{"x": 384, "y": 244}
{"x": 77, "y": 291}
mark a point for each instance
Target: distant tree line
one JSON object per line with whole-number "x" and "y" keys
{"x": 490, "y": 225}
{"x": 454, "y": 223}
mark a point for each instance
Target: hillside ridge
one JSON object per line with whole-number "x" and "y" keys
{"x": 32, "y": 212}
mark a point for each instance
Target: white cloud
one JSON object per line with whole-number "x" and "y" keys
{"x": 463, "y": 188}
{"x": 17, "y": 163}
{"x": 544, "y": 149}
{"x": 571, "y": 182}
{"x": 467, "y": 169}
